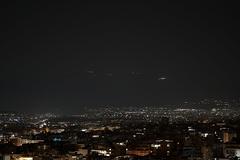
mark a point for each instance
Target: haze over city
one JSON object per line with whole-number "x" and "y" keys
{"x": 61, "y": 56}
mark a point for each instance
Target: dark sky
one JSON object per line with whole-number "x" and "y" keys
{"x": 61, "y": 56}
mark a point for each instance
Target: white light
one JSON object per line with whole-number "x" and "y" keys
{"x": 162, "y": 78}
{"x": 155, "y": 145}
{"x": 83, "y": 130}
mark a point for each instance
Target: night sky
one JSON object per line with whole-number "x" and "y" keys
{"x": 61, "y": 56}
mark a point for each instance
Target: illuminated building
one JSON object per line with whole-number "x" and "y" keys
{"x": 227, "y": 136}
{"x": 231, "y": 150}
